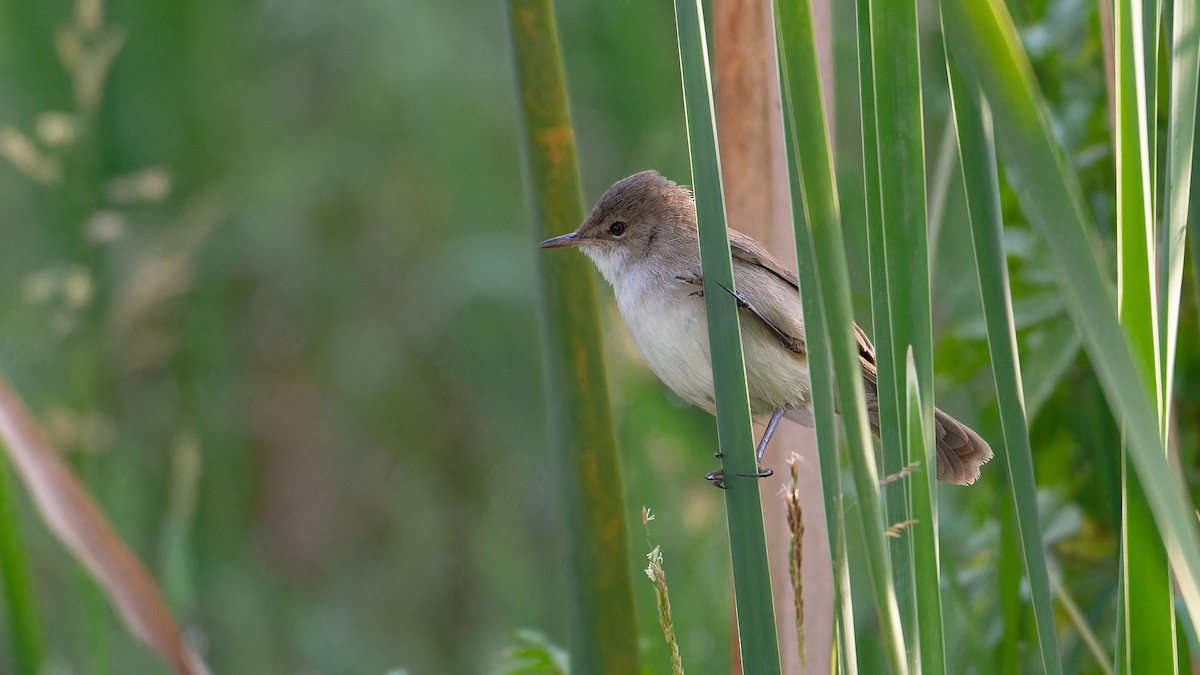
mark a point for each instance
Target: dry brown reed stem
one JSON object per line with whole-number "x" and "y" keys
{"x": 892, "y": 478}
{"x": 73, "y": 516}
{"x": 658, "y": 577}
{"x": 795, "y": 519}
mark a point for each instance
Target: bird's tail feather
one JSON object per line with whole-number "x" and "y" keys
{"x": 960, "y": 451}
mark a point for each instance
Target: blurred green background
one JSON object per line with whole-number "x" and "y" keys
{"x": 266, "y": 277}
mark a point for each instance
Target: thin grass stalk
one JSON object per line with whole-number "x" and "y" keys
{"x": 810, "y": 165}
{"x": 751, "y": 141}
{"x": 747, "y": 538}
{"x": 1187, "y": 628}
{"x": 97, "y": 621}
{"x": 1193, "y": 217}
{"x": 895, "y": 504}
{"x": 890, "y": 428}
{"x": 1151, "y": 43}
{"x": 1086, "y": 634}
{"x": 981, "y": 182}
{"x": 900, "y": 298}
{"x": 1009, "y": 573}
{"x": 985, "y": 42}
{"x": 1136, "y": 303}
{"x": 939, "y": 185}
{"x": 924, "y": 533}
{"x": 174, "y": 548}
{"x": 600, "y": 588}
{"x": 26, "y": 639}
{"x": 820, "y": 370}
{"x": 1121, "y": 648}
{"x": 821, "y": 380}
{"x": 795, "y": 521}
{"x": 658, "y": 577}
{"x": 847, "y": 642}
{"x": 1148, "y": 623}
{"x": 826, "y": 423}
{"x": 1181, "y": 124}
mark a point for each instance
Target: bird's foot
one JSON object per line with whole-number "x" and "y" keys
{"x": 695, "y": 281}
{"x": 718, "y": 477}
{"x": 763, "y": 472}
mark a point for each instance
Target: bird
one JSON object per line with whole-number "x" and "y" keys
{"x": 642, "y": 237}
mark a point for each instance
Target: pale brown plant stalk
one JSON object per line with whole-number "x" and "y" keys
{"x": 897, "y": 529}
{"x": 71, "y": 514}
{"x": 658, "y": 577}
{"x": 795, "y": 519}
{"x": 892, "y": 478}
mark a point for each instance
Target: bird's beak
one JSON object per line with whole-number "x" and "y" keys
{"x": 571, "y": 239}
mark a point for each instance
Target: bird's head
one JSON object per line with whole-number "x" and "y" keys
{"x": 639, "y": 220}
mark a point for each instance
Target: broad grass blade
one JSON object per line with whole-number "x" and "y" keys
{"x": 24, "y": 627}
{"x": 984, "y": 40}
{"x": 1149, "y": 619}
{"x": 978, "y": 153}
{"x": 811, "y": 166}
{"x": 747, "y": 537}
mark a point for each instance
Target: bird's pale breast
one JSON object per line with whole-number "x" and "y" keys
{"x": 670, "y": 330}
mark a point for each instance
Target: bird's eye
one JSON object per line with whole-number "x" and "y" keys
{"x": 617, "y": 228}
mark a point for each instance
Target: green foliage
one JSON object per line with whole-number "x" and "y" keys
{"x": 24, "y": 623}
{"x": 983, "y": 37}
{"x": 336, "y": 300}
{"x": 1146, "y": 642}
{"x": 902, "y": 319}
{"x": 810, "y": 167}
{"x": 977, "y": 150}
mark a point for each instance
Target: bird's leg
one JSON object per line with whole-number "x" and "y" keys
{"x": 718, "y": 477}
{"x": 762, "y": 445}
{"x": 764, "y": 471}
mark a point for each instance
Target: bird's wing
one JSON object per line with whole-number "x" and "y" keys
{"x": 780, "y": 312}
{"x": 866, "y": 358}
{"x": 960, "y": 451}
{"x": 791, "y": 342}
{"x": 746, "y": 250}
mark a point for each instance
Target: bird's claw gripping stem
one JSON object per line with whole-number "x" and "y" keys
{"x": 763, "y": 472}
{"x": 695, "y": 281}
{"x": 718, "y": 477}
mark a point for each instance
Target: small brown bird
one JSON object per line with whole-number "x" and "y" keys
{"x": 642, "y": 236}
